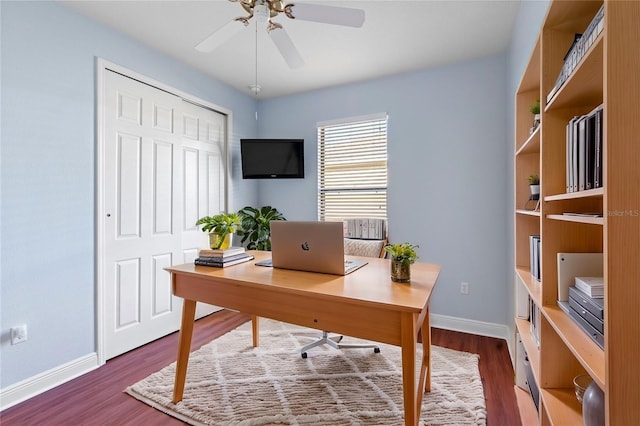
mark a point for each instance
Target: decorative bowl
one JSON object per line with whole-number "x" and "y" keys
{"x": 581, "y": 383}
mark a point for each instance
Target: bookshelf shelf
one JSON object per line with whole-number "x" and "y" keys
{"x": 584, "y": 86}
{"x": 585, "y": 350}
{"x": 523, "y": 327}
{"x": 562, "y": 406}
{"x": 597, "y": 192}
{"x": 577, "y": 219}
{"x": 531, "y": 284}
{"x": 528, "y": 212}
{"x": 606, "y": 75}
{"x": 532, "y": 144}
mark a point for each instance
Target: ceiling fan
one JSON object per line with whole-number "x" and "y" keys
{"x": 265, "y": 10}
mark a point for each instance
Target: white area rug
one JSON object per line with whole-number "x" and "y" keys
{"x": 231, "y": 383}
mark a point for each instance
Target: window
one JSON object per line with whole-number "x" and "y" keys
{"x": 352, "y": 168}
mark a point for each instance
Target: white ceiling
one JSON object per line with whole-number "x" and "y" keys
{"x": 397, "y": 37}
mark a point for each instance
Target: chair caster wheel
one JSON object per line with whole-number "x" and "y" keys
{"x": 376, "y": 350}
{"x": 304, "y": 355}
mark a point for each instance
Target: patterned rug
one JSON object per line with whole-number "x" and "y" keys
{"x": 231, "y": 383}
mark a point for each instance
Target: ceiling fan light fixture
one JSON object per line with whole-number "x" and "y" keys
{"x": 255, "y": 89}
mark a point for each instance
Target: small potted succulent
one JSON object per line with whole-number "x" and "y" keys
{"x": 534, "y": 186}
{"x": 220, "y": 228}
{"x": 402, "y": 256}
{"x": 535, "y": 110}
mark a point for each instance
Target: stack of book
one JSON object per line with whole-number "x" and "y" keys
{"x": 586, "y": 307}
{"x": 221, "y": 258}
{"x": 591, "y": 286}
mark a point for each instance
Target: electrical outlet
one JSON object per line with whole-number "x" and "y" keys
{"x": 464, "y": 288}
{"x": 19, "y": 334}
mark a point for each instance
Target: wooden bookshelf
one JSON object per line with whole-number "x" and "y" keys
{"x": 605, "y": 75}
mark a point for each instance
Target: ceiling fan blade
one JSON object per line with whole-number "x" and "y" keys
{"x": 286, "y": 47}
{"x": 220, "y": 36}
{"x": 326, "y": 14}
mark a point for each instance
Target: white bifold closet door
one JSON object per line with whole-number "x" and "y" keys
{"x": 163, "y": 169}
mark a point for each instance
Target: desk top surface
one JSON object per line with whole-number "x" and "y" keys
{"x": 369, "y": 284}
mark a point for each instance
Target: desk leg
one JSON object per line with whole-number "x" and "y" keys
{"x": 426, "y": 351}
{"x": 408, "y": 339}
{"x": 255, "y": 330}
{"x": 184, "y": 347}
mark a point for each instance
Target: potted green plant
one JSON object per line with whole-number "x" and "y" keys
{"x": 220, "y": 228}
{"x": 535, "y": 110}
{"x": 402, "y": 256}
{"x": 255, "y": 226}
{"x": 534, "y": 186}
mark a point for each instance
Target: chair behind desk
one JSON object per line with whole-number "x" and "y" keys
{"x": 352, "y": 247}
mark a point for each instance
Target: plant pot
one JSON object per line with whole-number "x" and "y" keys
{"x": 216, "y": 241}
{"x": 535, "y": 192}
{"x": 536, "y": 120}
{"x": 400, "y": 271}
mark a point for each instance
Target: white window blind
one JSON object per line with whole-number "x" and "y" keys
{"x": 352, "y": 168}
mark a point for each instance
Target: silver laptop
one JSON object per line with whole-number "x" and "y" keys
{"x": 310, "y": 246}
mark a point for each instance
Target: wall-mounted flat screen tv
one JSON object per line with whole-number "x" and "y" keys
{"x": 272, "y": 158}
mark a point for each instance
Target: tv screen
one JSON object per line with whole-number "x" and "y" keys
{"x": 272, "y": 158}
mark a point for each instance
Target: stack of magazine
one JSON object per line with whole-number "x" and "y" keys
{"x": 219, "y": 258}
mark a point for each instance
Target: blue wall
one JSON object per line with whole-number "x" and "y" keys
{"x": 48, "y": 173}
{"x": 446, "y": 138}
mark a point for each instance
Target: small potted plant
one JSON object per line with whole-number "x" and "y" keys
{"x": 534, "y": 186}
{"x": 220, "y": 227}
{"x": 402, "y": 256}
{"x": 255, "y": 226}
{"x": 535, "y": 110}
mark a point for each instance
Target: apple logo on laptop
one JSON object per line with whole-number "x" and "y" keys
{"x": 305, "y": 246}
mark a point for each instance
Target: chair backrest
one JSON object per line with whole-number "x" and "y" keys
{"x": 367, "y": 248}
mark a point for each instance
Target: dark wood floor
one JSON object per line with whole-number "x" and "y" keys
{"x": 97, "y": 398}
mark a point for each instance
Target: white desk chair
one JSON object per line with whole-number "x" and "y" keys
{"x": 352, "y": 247}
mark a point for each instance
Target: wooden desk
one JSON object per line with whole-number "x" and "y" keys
{"x": 365, "y": 304}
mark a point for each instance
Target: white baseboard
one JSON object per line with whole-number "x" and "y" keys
{"x": 481, "y": 328}
{"x": 28, "y": 388}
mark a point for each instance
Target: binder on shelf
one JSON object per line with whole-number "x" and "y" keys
{"x": 582, "y": 152}
{"x": 590, "y": 150}
{"x": 597, "y": 174}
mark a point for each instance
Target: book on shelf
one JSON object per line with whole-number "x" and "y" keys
{"x": 203, "y": 261}
{"x": 578, "y": 214}
{"x": 591, "y": 286}
{"x": 222, "y": 253}
{"x": 534, "y": 256}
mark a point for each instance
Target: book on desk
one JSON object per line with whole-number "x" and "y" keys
{"x": 222, "y": 258}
